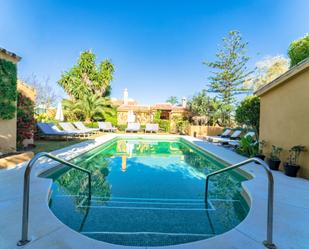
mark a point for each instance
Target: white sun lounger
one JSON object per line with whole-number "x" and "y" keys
{"x": 133, "y": 127}
{"x": 106, "y": 126}
{"x": 51, "y": 130}
{"x": 66, "y": 126}
{"x": 152, "y": 128}
{"x": 219, "y": 139}
{"x": 235, "y": 143}
{"x": 79, "y": 125}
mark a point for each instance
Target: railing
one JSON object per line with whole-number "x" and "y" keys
{"x": 25, "y": 217}
{"x": 269, "y": 241}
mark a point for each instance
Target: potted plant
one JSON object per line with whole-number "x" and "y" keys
{"x": 260, "y": 154}
{"x": 274, "y": 160}
{"x": 291, "y": 167}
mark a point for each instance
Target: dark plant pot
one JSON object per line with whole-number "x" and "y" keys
{"x": 291, "y": 170}
{"x": 273, "y": 164}
{"x": 260, "y": 156}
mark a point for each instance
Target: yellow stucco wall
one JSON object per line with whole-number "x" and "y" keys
{"x": 284, "y": 117}
{"x": 7, "y": 127}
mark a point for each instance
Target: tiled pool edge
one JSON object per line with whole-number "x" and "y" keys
{"x": 240, "y": 237}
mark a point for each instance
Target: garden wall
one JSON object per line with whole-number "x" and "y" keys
{"x": 8, "y": 126}
{"x": 284, "y": 116}
{"x": 201, "y": 131}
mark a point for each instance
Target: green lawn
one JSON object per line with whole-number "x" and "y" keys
{"x": 49, "y": 145}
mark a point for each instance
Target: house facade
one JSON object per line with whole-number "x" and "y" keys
{"x": 284, "y": 113}
{"x": 8, "y": 126}
{"x": 127, "y": 108}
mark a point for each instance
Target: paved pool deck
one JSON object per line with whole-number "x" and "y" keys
{"x": 291, "y": 208}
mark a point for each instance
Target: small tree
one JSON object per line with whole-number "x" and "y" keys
{"x": 299, "y": 50}
{"x": 45, "y": 93}
{"x": 269, "y": 69}
{"x": 248, "y": 112}
{"x": 86, "y": 78}
{"x": 230, "y": 71}
{"x": 210, "y": 109}
{"x": 173, "y": 100}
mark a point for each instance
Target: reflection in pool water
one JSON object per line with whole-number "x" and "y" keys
{"x": 147, "y": 193}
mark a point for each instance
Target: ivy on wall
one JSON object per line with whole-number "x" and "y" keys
{"x": 8, "y": 89}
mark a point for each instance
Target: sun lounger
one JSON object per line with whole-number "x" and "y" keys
{"x": 226, "y": 133}
{"x": 51, "y": 130}
{"x": 79, "y": 125}
{"x": 152, "y": 128}
{"x": 68, "y": 127}
{"x": 106, "y": 126}
{"x": 235, "y": 143}
{"x": 133, "y": 127}
{"x": 218, "y": 139}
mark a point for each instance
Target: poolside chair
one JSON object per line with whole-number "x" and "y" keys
{"x": 226, "y": 133}
{"x": 79, "y": 125}
{"x": 133, "y": 127}
{"x": 106, "y": 126}
{"x": 235, "y": 143}
{"x": 152, "y": 128}
{"x": 68, "y": 127}
{"x": 218, "y": 139}
{"x": 51, "y": 130}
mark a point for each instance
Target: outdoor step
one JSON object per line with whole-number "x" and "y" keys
{"x": 147, "y": 215}
{"x": 150, "y": 238}
{"x": 147, "y": 203}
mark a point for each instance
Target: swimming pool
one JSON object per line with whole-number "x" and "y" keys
{"x": 147, "y": 192}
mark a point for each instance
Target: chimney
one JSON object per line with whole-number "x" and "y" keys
{"x": 184, "y": 102}
{"x": 125, "y": 97}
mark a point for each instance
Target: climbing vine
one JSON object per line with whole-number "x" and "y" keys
{"x": 8, "y": 92}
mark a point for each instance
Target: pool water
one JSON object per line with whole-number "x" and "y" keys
{"x": 147, "y": 193}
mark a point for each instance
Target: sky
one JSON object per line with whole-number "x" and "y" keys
{"x": 157, "y": 47}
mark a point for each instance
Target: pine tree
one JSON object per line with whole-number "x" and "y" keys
{"x": 230, "y": 71}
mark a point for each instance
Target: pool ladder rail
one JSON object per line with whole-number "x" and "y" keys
{"x": 270, "y": 200}
{"x": 25, "y": 215}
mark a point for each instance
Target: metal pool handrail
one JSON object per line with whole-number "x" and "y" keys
{"x": 25, "y": 217}
{"x": 270, "y": 202}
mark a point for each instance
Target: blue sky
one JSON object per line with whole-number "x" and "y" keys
{"x": 157, "y": 47}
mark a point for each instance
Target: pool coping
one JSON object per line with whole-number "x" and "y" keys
{"x": 248, "y": 234}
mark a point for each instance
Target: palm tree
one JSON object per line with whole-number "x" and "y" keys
{"x": 91, "y": 107}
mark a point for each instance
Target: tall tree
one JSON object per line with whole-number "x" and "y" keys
{"x": 269, "y": 69}
{"x": 87, "y": 78}
{"x": 299, "y": 50}
{"x": 230, "y": 71}
{"x": 173, "y": 100}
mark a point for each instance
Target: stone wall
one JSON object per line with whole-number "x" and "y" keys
{"x": 202, "y": 131}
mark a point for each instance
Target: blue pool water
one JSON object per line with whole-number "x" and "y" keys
{"x": 147, "y": 193}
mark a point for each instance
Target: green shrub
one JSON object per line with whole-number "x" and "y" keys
{"x": 247, "y": 147}
{"x": 164, "y": 125}
{"x": 8, "y": 89}
{"x": 121, "y": 127}
{"x": 112, "y": 119}
{"x": 299, "y": 50}
{"x": 181, "y": 125}
{"x": 25, "y": 119}
{"x": 248, "y": 113}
